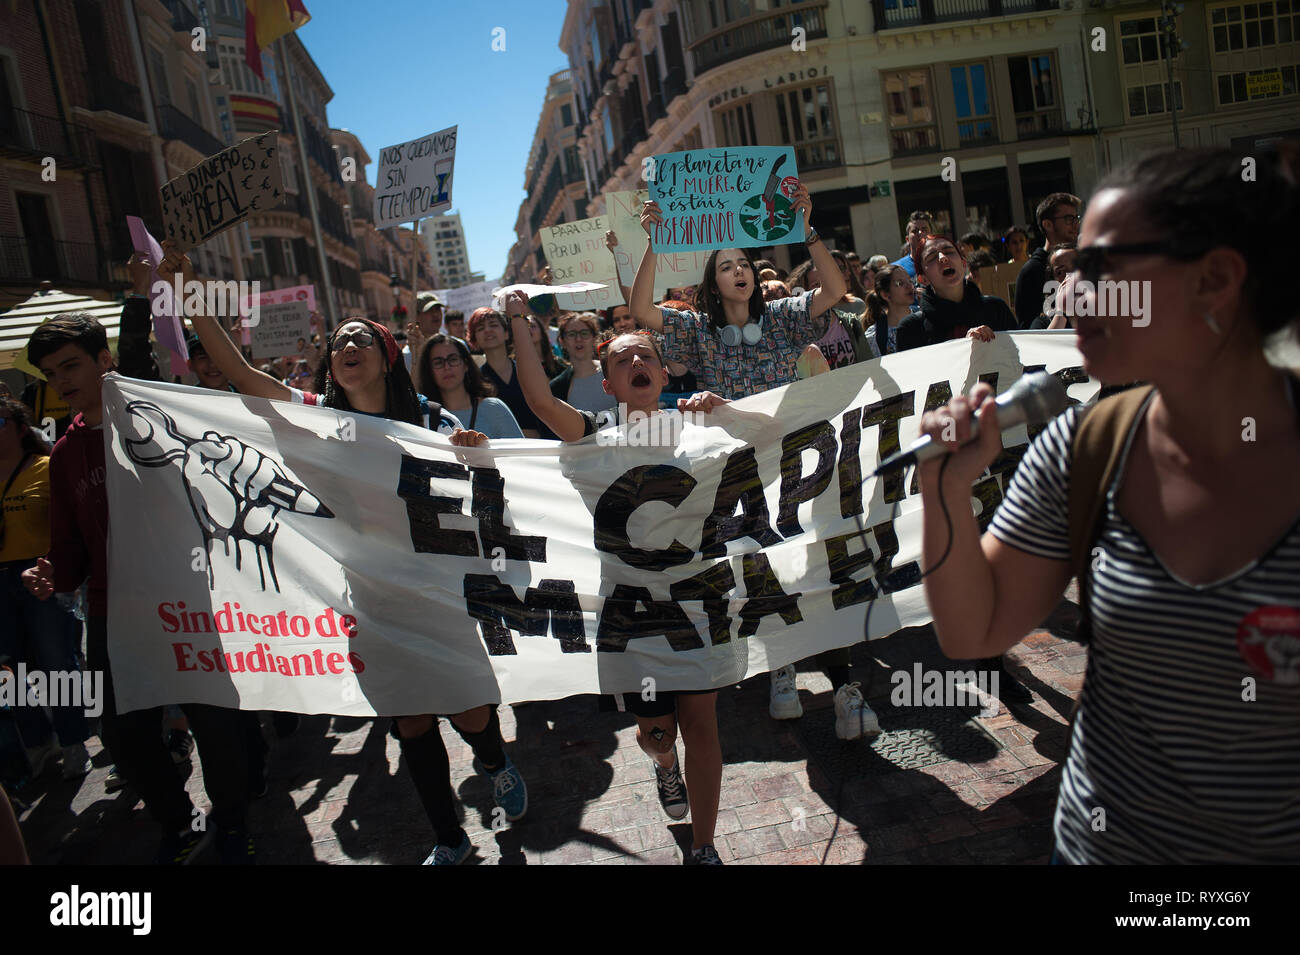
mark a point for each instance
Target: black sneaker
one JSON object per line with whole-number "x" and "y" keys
{"x": 672, "y": 789}
{"x": 705, "y": 855}
{"x": 180, "y": 848}
{"x": 235, "y": 847}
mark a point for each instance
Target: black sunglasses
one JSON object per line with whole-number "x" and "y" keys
{"x": 361, "y": 339}
{"x": 1091, "y": 260}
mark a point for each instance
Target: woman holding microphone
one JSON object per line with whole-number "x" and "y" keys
{"x": 1183, "y": 748}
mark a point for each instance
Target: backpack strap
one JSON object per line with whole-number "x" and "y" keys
{"x": 1098, "y": 444}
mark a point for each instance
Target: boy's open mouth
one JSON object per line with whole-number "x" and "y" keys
{"x": 640, "y": 379}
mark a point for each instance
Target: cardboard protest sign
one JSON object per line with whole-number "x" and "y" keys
{"x": 1000, "y": 281}
{"x": 283, "y": 328}
{"x": 414, "y": 178}
{"x": 223, "y": 190}
{"x": 672, "y": 269}
{"x": 726, "y": 198}
{"x": 167, "y": 326}
{"x": 576, "y": 252}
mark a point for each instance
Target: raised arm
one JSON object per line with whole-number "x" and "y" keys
{"x": 641, "y": 304}
{"x": 984, "y": 595}
{"x": 246, "y": 379}
{"x": 832, "y": 288}
{"x": 560, "y": 416}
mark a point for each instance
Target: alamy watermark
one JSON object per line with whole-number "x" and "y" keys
{"x": 215, "y": 298}
{"x": 1105, "y": 299}
{"x": 57, "y": 688}
{"x": 949, "y": 688}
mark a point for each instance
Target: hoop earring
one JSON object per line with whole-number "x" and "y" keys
{"x": 1214, "y": 326}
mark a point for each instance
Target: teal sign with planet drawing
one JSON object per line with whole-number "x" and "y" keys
{"x": 728, "y": 197}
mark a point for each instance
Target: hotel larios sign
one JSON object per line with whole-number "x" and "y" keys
{"x": 771, "y": 82}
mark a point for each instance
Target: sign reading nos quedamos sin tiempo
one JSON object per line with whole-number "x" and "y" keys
{"x": 414, "y": 178}
{"x": 223, "y": 190}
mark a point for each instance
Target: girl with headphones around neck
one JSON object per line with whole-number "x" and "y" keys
{"x": 738, "y": 345}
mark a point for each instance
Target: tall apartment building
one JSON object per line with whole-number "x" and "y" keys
{"x": 553, "y": 179}
{"x": 444, "y": 237}
{"x": 100, "y": 104}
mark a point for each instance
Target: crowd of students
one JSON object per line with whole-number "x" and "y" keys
{"x": 527, "y": 370}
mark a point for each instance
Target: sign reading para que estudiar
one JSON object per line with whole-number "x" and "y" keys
{"x": 725, "y": 198}
{"x": 222, "y": 191}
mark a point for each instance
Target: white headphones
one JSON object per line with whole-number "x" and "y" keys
{"x": 751, "y": 334}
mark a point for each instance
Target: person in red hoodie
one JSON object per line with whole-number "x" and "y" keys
{"x": 72, "y": 353}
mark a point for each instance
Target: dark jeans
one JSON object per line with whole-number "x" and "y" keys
{"x": 136, "y": 743}
{"x": 44, "y": 636}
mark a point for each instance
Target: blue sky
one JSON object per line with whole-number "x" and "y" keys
{"x": 402, "y": 68}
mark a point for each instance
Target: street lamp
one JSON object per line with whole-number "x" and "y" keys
{"x": 1173, "y": 44}
{"x": 399, "y": 311}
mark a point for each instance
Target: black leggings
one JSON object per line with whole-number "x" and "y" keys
{"x": 135, "y": 742}
{"x": 426, "y": 758}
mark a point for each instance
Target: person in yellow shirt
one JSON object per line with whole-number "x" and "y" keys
{"x": 40, "y": 634}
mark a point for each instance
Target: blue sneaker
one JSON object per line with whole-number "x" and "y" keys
{"x": 508, "y": 789}
{"x": 447, "y": 855}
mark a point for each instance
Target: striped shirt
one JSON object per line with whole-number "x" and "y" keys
{"x": 1171, "y": 759}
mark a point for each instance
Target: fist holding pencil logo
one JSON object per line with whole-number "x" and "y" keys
{"x": 237, "y": 492}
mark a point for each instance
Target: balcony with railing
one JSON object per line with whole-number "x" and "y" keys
{"x": 173, "y": 124}
{"x": 32, "y": 261}
{"x": 893, "y": 14}
{"x": 24, "y": 134}
{"x": 113, "y": 95}
{"x": 763, "y": 31}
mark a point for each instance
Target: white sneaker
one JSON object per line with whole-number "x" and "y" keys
{"x": 76, "y": 761}
{"x": 784, "y": 704}
{"x": 853, "y": 718}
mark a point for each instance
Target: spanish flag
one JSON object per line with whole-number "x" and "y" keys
{"x": 265, "y": 21}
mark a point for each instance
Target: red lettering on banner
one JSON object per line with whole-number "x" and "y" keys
{"x": 182, "y": 651}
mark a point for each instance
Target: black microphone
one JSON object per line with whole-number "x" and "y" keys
{"x": 1033, "y": 399}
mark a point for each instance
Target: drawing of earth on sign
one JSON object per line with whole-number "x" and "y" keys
{"x": 767, "y": 224}
{"x": 769, "y": 216}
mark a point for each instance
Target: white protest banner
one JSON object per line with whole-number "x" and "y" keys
{"x": 576, "y": 252}
{"x": 222, "y": 191}
{"x": 304, "y": 559}
{"x": 414, "y": 179}
{"x": 672, "y": 269}
{"x": 282, "y": 329}
{"x": 468, "y": 297}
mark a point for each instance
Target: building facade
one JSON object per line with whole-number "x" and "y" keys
{"x": 100, "y": 105}
{"x": 971, "y": 109}
{"x": 554, "y": 184}
{"x": 1234, "y": 82}
{"x": 282, "y": 247}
